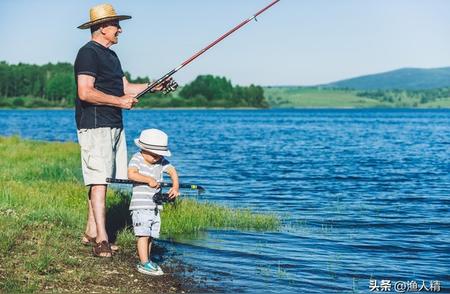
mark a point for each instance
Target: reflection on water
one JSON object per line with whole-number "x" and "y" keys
{"x": 362, "y": 193}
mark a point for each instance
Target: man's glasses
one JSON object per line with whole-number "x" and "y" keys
{"x": 113, "y": 23}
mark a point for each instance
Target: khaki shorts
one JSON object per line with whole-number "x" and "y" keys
{"x": 146, "y": 222}
{"x": 103, "y": 154}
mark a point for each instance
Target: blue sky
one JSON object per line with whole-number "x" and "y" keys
{"x": 294, "y": 43}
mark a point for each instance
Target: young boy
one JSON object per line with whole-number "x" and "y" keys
{"x": 148, "y": 166}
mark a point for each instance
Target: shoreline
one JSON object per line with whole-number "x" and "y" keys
{"x": 42, "y": 219}
{"x": 144, "y": 108}
{"x": 242, "y": 108}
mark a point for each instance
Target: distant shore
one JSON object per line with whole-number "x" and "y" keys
{"x": 248, "y": 108}
{"x": 140, "y": 108}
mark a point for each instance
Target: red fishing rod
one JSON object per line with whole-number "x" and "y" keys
{"x": 172, "y": 85}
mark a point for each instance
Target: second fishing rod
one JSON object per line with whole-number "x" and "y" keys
{"x": 171, "y": 85}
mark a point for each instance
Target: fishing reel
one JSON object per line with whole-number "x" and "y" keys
{"x": 169, "y": 86}
{"x": 160, "y": 198}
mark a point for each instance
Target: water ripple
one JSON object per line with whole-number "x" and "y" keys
{"x": 362, "y": 193}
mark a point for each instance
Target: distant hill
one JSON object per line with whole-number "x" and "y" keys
{"x": 403, "y": 79}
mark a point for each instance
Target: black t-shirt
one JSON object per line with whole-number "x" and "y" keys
{"x": 103, "y": 64}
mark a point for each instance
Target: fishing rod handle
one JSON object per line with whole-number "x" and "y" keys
{"x": 162, "y": 184}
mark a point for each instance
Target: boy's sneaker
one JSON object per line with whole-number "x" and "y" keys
{"x": 150, "y": 268}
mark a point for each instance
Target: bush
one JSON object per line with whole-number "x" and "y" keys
{"x": 38, "y": 103}
{"x": 18, "y": 102}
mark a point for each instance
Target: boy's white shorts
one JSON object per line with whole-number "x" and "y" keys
{"x": 103, "y": 154}
{"x": 146, "y": 223}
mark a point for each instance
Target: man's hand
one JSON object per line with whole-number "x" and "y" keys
{"x": 153, "y": 184}
{"x": 127, "y": 101}
{"x": 174, "y": 192}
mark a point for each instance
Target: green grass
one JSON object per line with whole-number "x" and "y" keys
{"x": 317, "y": 97}
{"x": 33, "y": 102}
{"x": 313, "y": 97}
{"x": 43, "y": 214}
{"x": 440, "y": 103}
{"x": 192, "y": 216}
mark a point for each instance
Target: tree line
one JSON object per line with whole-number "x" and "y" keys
{"x": 218, "y": 91}
{"x": 53, "y": 85}
{"x": 45, "y": 85}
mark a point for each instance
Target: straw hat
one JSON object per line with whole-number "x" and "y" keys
{"x": 102, "y": 13}
{"x": 154, "y": 141}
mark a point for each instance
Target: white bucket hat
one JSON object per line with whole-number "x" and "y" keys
{"x": 154, "y": 141}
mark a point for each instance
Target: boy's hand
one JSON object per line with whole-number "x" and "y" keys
{"x": 174, "y": 193}
{"x": 153, "y": 184}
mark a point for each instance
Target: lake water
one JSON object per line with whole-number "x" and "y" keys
{"x": 363, "y": 194}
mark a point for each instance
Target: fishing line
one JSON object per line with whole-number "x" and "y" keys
{"x": 170, "y": 85}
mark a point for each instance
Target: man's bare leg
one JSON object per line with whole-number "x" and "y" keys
{"x": 98, "y": 203}
{"x": 91, "y": 226}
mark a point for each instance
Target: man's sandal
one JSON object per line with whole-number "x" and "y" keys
{"x": 91, "y": 241}
{"x": 88, "y": 240}
{"x": 102, "y": 249}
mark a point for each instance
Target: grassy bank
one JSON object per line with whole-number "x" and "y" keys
{"x": 277, "y": 97}
{"x": 312, "y": 97}
{"x": 42, "y": 216}
{"x": 317, "y": 97}
{"x": 33, "y": 102}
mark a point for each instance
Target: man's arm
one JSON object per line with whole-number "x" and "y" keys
{"x": 88, "y": 93}
{"x": 131, "y": 88}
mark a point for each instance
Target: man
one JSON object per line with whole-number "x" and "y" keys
{"x": 103, "y": 91}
